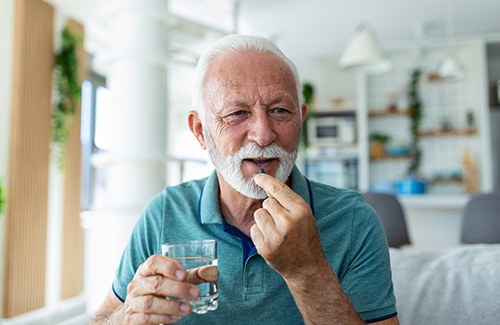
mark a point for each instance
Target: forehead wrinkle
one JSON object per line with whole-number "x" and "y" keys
{"x": 244, "y": 61}
{"x": 233, "y": 71}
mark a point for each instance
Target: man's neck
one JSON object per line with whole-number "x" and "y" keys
{"x": 236, "y": 208}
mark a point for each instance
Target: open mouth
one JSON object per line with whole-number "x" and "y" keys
{"x": 261, "y": 162}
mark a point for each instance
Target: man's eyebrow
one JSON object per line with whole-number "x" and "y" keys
{"x": 285, "y": 98}
{"x": 236, "y": 103}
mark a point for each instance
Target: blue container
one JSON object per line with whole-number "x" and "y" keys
{"x": 411, "y": 185}
{"x": 398, "y": 150}
{"x": 383, "y": 187}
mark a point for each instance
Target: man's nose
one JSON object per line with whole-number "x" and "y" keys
{"x": 261, "y": 130}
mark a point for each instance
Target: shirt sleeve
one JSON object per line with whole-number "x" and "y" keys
{"x": 368, "y": 281}
{"x": 144, "y": 242}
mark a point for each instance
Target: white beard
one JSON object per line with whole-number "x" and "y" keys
{"x": 230, "y": 167}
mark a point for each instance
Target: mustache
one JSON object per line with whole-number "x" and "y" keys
{"x": 252, "y": 150}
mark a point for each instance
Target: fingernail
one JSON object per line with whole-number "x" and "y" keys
{"x": 209, "y": 273}
{"x": 262, "y": 171}
{"x": 193, "y": 292}
{"x": 184, "y": 307}
{"x": 180, "y": 274}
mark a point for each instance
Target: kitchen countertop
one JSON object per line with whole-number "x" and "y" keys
{"x": 434, "y": 201}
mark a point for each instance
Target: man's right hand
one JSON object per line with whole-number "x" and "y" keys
{"x": 158, "y": 277}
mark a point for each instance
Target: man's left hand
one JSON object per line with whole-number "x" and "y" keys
{"x": 285, "y": 232}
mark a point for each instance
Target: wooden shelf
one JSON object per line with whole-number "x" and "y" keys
{"x": 322, "y": 108}
{"x": 388, "y": 112}
{"x": 450, "y": 132}
{"x": 446, "y": 180}
{"x": 391, "y": 157}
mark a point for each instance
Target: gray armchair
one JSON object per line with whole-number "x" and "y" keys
{"x": 481, "y": 219}
{"x": 391, "y": 213}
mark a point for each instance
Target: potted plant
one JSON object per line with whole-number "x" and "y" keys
{"x": 67, "y": 92}
{"x": 378, "y": 142}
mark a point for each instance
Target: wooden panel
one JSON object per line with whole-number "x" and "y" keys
{"x": 72, "y": 249}
{"x": 24, "y": 288}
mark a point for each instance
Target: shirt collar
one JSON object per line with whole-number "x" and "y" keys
{"x": 209, "y": 209}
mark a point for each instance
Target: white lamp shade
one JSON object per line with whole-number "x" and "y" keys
{"x": 451, "y": 67}
{"x": 363, "y": 49}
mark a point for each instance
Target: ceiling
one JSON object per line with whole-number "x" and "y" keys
{"x": 323, "y": 27}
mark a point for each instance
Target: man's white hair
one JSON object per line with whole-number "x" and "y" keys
{"x": 232, "y": 44}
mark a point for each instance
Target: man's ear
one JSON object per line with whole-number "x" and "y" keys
{"x": 303, "y": 110}
{"x": 196, "y": 126}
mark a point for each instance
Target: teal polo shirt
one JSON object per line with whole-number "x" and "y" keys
{"x": 251, "y": 292}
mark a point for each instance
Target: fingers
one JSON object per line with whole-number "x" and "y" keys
{"x": 283, "y": 204}
{"x": 162, "y": 276}
{"x": 209, "y": 273}
{"x": 161, "y": 286}
{"x": 162, "y": 265}
{"x": 284, "y": 229}
{"x": 278, "y": 190}
{"x": 151, "y": 319}
{"x": 265, "y": 218}
{"x": 157, "y": 278}
{"x": 155, "y": 310}
{"x": 257, "y": 236}
{"x": 278, "y": 214}
{"x": 269, "y": 231}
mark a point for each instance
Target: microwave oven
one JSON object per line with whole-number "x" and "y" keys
{"x": 325, "y": 130}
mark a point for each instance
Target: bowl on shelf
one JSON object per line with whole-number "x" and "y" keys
{"x": 411, "y": 185}
{"x": 398, "y": 150}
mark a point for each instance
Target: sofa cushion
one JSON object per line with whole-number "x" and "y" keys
{"x": 459, "y": 285}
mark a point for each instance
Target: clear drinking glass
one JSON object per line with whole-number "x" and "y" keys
{"x": 192, "y": 254}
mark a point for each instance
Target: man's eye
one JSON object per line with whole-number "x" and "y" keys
{"x": 236, "y": 116}
{"x": 237, "y": 113}
{"x": 279, "y": 110}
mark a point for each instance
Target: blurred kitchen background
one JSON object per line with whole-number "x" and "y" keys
{"x": 403, "y": 97}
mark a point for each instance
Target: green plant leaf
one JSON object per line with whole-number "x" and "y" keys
{"x": 3, "y": 200}
{"x": 67, "y": 91}
{"x": 415, "y": 120}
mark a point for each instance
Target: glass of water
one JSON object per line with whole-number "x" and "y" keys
{"x": 192, "y": 254}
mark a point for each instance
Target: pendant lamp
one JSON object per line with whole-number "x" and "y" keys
{"x": 364, "y": 51}
{"x": 451, "y": 67}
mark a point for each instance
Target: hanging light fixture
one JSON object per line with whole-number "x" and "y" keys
{"x": 364, "y": 51}
{"x": 451, "y": 67}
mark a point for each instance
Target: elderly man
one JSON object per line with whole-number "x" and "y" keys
{"x": 291, "y": 251}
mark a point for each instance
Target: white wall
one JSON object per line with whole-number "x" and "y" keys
{"x": 6, "y": 48}
{"x": 328, "y": 79}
